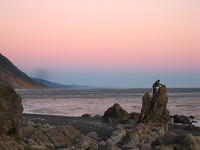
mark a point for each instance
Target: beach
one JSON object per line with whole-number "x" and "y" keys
{"x": 151, "y": 128}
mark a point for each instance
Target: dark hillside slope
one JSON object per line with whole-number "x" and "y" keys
{"x": 10, "y": 74}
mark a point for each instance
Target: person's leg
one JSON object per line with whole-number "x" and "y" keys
{"x": 154, "y": 91}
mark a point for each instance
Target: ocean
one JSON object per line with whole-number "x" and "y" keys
{"x": 75, "y": 102}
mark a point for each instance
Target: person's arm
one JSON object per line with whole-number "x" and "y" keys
{"x": 160, "y": 85}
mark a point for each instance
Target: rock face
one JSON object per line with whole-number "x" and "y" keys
{"x": 10, "y": 111}
{"x": 115, "y": 114}
{"x": 154, "y": 110}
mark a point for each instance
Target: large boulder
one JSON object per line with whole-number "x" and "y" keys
{"x": 10, "y": 111}
{"x": 115, "y": 114}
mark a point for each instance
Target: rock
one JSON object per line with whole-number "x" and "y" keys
{"x": 191, "y": 117}
{"x": 85, "y": 143}
{"x": 36, "y": 147}
{"x": 97, "y": 116}
{"x": 115, "y": 114}
{"x": 10, "y": 111}
{"x": 167, "y": 139}
{"x": 9, "y": 143}
{"x": 26, "y": 131}
{"x": 86, "y": 116}
{"x": 163, "y": 147}
{"x": 154, "y": 110}
{"x": 93, "y": 135}
{"x": 134, "y": 116}
{"x": 181, "y": 119}
{"x": 117, "y": 135}
{"x": 102, "y": 143}
{"x": 143, "y": 133}
{"x": 187, "y": 142}
{"x": 145, "y": 146}
{"x": 130, "y": 146}
{"x": 178, "y": 142}
{"x": 152, "y": 123}
{"x": 59, "y": 136}
{"x": 112, "y": 147}
{"x": 45, "y": 138}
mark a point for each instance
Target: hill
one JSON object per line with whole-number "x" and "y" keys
{"x": 51, "y": 84}
{"x": 11, "y": 75}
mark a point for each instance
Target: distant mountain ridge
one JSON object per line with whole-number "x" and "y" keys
{"x": 11, "y": 75}
{"x": 51, "y": 84}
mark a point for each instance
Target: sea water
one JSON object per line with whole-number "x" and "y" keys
{"x": 75, "y": 102}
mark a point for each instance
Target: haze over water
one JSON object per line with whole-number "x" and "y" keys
{"x": 75, "y": 102}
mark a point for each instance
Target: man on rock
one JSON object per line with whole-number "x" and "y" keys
{"x": 156, "y": 87}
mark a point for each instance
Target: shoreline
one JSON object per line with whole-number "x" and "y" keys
{"x": 63, "y": 118}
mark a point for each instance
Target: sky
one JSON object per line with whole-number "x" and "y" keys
{"x": 106, "y": 43}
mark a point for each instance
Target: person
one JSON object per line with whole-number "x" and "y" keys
{"x": 156, "y": 87}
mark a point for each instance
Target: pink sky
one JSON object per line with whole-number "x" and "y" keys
{"x": 109, "y": 35}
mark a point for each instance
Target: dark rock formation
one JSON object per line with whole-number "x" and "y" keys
{"x": 154, "y": 110}
{"x": 181, "y": 119}
{"x": 10, "y": 111}
{"x": 86, "y": 116}
{"x": 115, "y": 114}
{"x": 152, "y": 123}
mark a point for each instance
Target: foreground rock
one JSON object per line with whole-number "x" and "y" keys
{"x": 172, "y": 141}
{"x": 18, "y": 134}
{"x": 115, "y": 114}
{"x": 46, "y": 137}
{"x": 10, "y": 111}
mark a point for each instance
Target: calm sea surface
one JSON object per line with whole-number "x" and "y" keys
{"x": 75, "y": 102}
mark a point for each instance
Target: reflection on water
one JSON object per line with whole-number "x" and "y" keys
{"x": 75, "y": 102}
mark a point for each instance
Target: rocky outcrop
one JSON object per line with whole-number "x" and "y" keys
{"x": 43, "y": 136}
{"x": 10, "y": 111}
{"x": 154, "y": 110}
{"x": 152, "y": 123}
{"x": 115, "y": 114}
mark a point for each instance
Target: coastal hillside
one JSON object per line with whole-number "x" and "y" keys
{"x": 11, "y": 75}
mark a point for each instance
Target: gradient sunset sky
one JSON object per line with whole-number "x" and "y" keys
{"x": 112, "y": 43}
